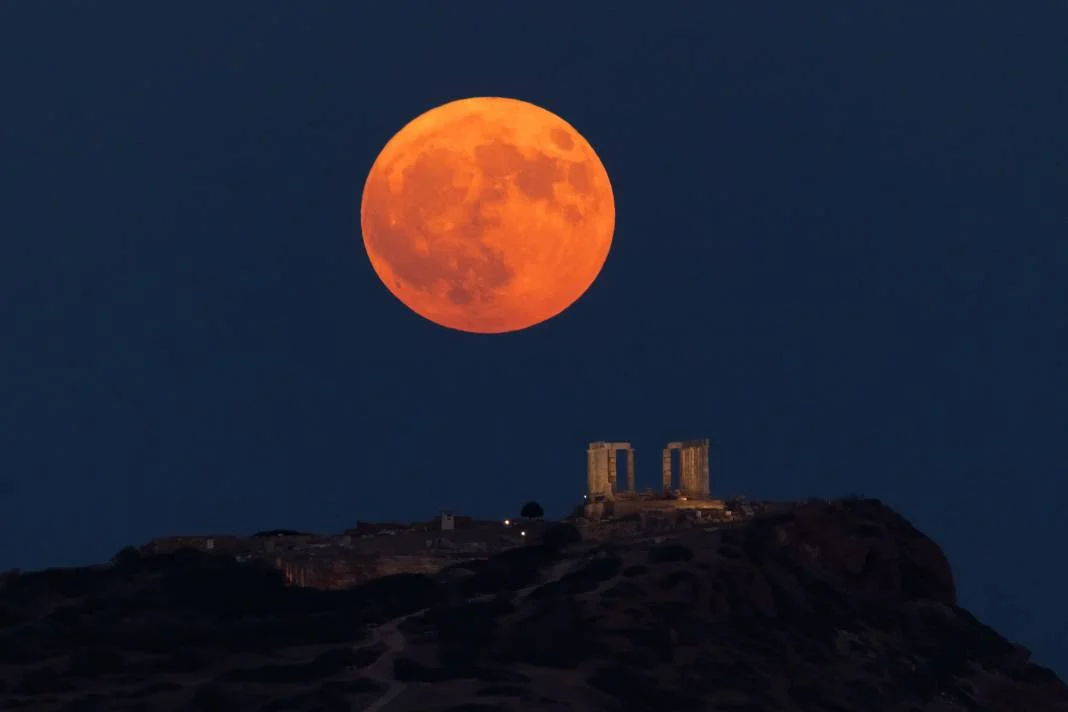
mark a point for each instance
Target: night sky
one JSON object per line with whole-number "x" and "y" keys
{"x": 839, "y": 254}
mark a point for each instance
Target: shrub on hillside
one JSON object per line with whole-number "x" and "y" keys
{"x": 472, "y": 622}
{"x": 181, "y": 660}
{"x": 213, "y": 697}
{"x": 640, "y": 690}
{"x": 399, "y": 594}
{"x": 587, "y": 578}
{"x": 664, "y": 553}
{"x": 406, "y": 669}
{"x": 127, "y": 559}
{"x": 29, "y": 644}
{"x": 556, "y": 634}
{"x": 512, "y": 569}
{"x": 95, "y": 661}
{"x": 327, "y": 664}
{"x": 10, "y": 614}
{"x": 222, "y": 586}
{"x": 561, "y": 535}
{"x": 39, "y": 681}
{"x": 623, "y": 589}
{"x": 29, "y": 588}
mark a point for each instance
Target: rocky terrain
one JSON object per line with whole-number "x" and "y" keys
{"x": 836, "y": 606}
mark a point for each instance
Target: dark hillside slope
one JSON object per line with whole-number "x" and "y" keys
{"x": 838, "y": 607}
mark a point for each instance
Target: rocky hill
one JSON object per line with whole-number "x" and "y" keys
{"x": 837, "y": 606}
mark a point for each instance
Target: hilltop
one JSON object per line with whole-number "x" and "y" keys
{"x": 836, "y": 606}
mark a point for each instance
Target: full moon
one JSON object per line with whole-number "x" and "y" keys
{"x": 487, "y": 215}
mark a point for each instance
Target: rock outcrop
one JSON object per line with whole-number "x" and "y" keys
{"x": 836, "y": 606}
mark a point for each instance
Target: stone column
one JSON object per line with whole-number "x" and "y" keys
{"x": 685, "y": 471}
{"x": 591, "y": 471}
{"x": 693, "y": 467}
{"x": 667, "y": 469}
{"x": 695, "y": 472}
{"x": 630, "y": 470}
{"x": 706, "y": 484}
{"x": 597, "y": 465}
{"x": 612, "y": 469}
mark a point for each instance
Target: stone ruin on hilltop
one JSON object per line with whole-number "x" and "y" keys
{"x": 372, "y": 550}
{"x": 689, "y": 491}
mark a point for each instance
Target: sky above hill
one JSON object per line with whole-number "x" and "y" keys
{"x": 839, "y": 254}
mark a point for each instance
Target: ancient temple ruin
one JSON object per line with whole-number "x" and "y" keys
{"x": 693, "y": 468}
{"x": 691, "y": 491}
{"x": 601, "y": 469}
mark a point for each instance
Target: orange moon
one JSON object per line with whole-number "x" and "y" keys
{"x": 487, "y": 215}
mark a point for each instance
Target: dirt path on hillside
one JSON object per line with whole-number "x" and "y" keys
{"x": 381, "y": 671}
{"x": 389, "y": 633}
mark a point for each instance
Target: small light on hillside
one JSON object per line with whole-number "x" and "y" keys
{"x": 507, "y": 522}
{"x": 522, "y": 533}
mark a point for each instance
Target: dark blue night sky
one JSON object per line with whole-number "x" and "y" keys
{"x": 840, "y": 254}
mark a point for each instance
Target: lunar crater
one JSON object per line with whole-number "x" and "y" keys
{"x": 562, "y": 139}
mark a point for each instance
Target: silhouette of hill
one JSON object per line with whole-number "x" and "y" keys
{"x": 836, "y": 606}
